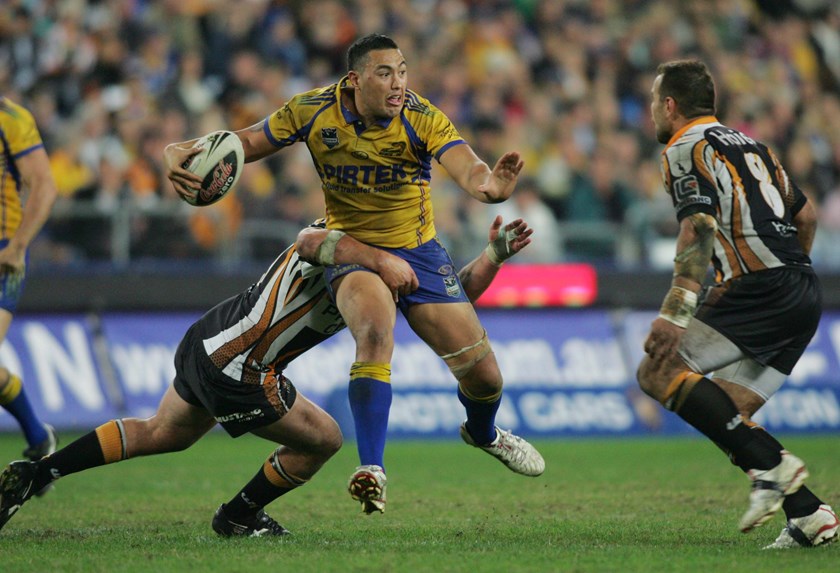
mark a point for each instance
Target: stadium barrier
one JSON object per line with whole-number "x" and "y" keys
{"x": 568, "y": 372}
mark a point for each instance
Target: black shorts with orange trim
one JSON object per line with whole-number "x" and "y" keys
{"x": 238, "y": 407}
{"x": 771, "y": 315}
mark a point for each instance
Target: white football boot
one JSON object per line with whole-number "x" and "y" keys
{"x": 511, "y": 450}
{"x": 769, "y": 488}
{"x": 367, "y": 485}
{"x": 811, "y": 530}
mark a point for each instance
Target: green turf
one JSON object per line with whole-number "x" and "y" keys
{"x": 603, "y": 505}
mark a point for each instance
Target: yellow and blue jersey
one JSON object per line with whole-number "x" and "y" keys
{"x": 18, "y": 136}
{"x": 375, "y": 180}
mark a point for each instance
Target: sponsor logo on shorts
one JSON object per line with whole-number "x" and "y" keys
{"x": 453, "y": 289}
{"x": 783, "y": 229}
{"x": 241, "y": 416}
{"x": 445, "y": 270}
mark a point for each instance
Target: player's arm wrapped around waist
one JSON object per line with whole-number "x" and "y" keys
{"x": 678, "y": 306}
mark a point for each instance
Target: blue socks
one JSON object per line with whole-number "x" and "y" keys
{"x": 13, "y": 399}
{"x": 370, "y": 401}
{"x": 481, "y": 415}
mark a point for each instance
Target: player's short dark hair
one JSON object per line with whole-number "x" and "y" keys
{"x": 359, "y": 49}
{"x": 691, "y": 85}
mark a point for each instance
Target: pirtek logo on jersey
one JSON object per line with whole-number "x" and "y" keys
{"x": 364, "y": 174}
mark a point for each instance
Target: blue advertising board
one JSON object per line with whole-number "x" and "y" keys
{"x": 567, "y": 373}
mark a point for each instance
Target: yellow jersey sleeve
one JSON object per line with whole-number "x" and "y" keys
{"x": 20, "y": 133}
{"x": 375, "y": 179}
{"x": 18, "y": 136}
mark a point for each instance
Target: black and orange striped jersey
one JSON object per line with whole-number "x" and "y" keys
{"x": 375, "y": 179}
{"x": 710, "y": 168}
{"x": 259, "y": 331}
{"x": 18, "y": 136}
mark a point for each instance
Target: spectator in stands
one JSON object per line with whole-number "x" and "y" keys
{"x": 598, "y": 196}
{"x": 564, "y": 76}
{"x": 527, "y": 204}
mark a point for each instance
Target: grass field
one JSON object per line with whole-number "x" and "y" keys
{"x": 602, "y": 505}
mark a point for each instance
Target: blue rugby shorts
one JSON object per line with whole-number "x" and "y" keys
{"x": 438, "y": 277}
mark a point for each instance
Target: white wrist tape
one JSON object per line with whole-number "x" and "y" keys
{"x": 491, "y": 254}
{"x": 678, "y": 306}
{"x": 325, "y": 254}
{"x": 499, "y": 249}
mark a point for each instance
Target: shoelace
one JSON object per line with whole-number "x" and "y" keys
{"x": 508, "y": 441}
{"x": 265, "y": 521}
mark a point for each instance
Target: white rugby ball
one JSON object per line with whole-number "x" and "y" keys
{"x": 219, "y": 164}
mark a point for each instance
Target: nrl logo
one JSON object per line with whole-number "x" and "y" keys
{"x": 452, "y": 287}
{"x": 330, "y": 136}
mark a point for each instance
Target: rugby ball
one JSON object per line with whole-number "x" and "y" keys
{"x": 219, "y": 164}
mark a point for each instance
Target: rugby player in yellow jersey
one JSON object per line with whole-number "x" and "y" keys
{"x": 24, "y": 166}
{"x": 229, "y": 370}
{"x": 372, "y": 141}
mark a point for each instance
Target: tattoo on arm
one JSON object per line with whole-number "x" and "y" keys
{"x": 694, "y": 249}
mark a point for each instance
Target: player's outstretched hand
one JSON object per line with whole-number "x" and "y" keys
{"x": 515, "y": 237}
{"x": 183, "y": 181}
{"x": 504, "y": 243}
{"x": 502, "y": 179}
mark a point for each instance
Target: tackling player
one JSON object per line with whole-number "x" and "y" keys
{"x": 716, "y": 360}
{"x": 229, "y": 370}
{"x": 373, "y": 141}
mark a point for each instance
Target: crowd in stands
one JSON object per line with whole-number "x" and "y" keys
{"x": 565, "y": 82}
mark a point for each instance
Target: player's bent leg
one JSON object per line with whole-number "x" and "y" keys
{"x": 455, "y": 333}
{"x": 310, "y": 437}
{"x": 705, "y": 405}
{"x": 176, "y": 426}
{"x": 750, "y": 385}
{"x": 513, "y": 451}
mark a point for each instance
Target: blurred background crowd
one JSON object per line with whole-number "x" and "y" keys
{"x": 565, "y": 82}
